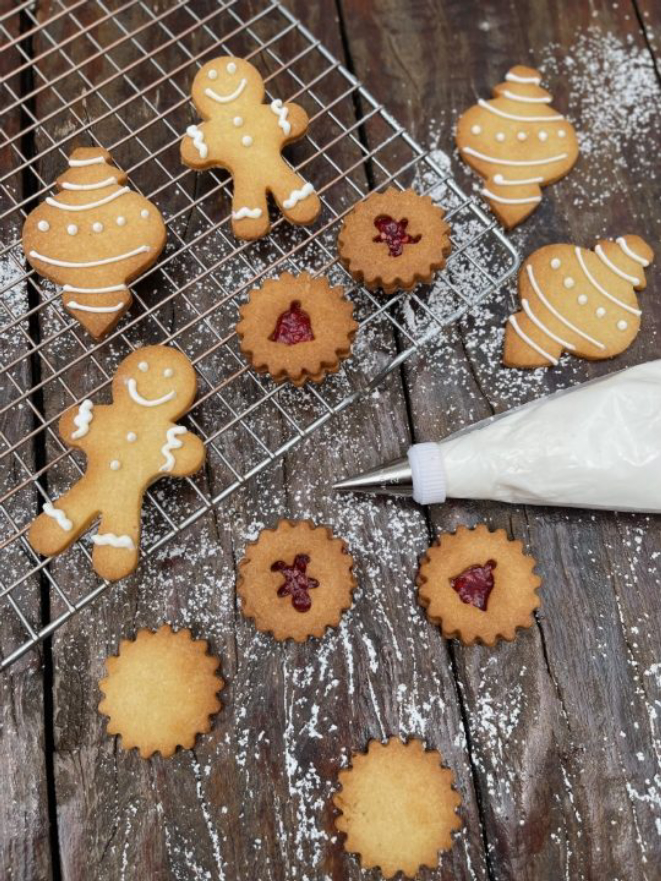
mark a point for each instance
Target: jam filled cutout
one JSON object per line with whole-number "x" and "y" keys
{"x": 293, "y": 326}
{"x": 393, "y": 233}
{"x": 297, "y": 584}
{"x": 475, "y": 584}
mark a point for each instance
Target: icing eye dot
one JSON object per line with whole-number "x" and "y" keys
{"x": 43, "y": 225}
{"x": 476, "y": 129}
{"x": 569, "y": 282}
{"x": 168, "y": 372}
{"x": 543, "y": 136}
{"x": 131, "y": 437}
{"x": 582, "y": 299}
{"x": 246, "y": 140}
{"x": 121, "y": 221}
{"x": 212, "y": 74}
{"x": 72, "y": 229}
{"x": 115, "y": 465}
{"x": 562, "y": 133}
{"x": 600, "y": 312}
{"x": 500, "y": 136}
{"x": 521, "y": 136}
{"x": 231, "y": 67}
{"x": 143, "y": 366}
{"x": 97, "y": 227}
{"x": 622, "y": 325}
{"x": 556, "y": 263}
{"x": 238, "y": 121}
{"x": 144, "y": 213}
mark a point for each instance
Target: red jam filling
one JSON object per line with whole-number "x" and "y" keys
{"x": 475, "y": 584}
{"x": 297, "y": 584}
{"x": 293, "y": 326}
{"x": 393, "y": 233}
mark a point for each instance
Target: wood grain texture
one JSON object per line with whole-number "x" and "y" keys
{"x": 553, "y": 739}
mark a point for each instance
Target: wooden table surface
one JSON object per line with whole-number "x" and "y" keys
{"x": 554, "y": 739}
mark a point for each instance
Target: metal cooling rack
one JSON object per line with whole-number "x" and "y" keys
{"x": 118, "y": 75}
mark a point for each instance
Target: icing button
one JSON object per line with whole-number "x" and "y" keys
{"x": 600, "y": 312}
{"x": 569, "y": 282}
{"x": 131, "y": 437}
{"x": 246, "y": 140}
{"x": 144, "y": 213}
{"x": 556, "y": 263}
{"x": 622, "y": 325}
{"x": 238, "y": 121}
{"x": 43, "y": 225}
{"x": 582, "y": 299}
{"x": 121, "y": 221}
{"x": 115, "y": 465}
{"x": 476, "y": 129}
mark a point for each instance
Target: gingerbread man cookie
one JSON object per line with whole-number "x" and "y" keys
{"x": 129, "y": 445}
{"x": 517, "y": 143}
{"x": 93, "y": 238}
{"x": 245, "y": 136}
{"x": 579, "y": 301}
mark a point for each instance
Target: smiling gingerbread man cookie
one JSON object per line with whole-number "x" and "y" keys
{"x": 245, "y": 136}
{"x": 129, "y": 445}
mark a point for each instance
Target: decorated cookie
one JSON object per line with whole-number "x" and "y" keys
{"x": 245, "y": 136}
{"x": 129, "y": 444}
{"x": 517, "y": 143}
{"x": 478, "y": 586}
{"x": 297, "y": 328}
{"x": 394, "y": 240}
{"x": 398, "y": 807}
{"x": 160, "y": 691}
{"x": 296, "y": 580}
{"x": 93, "y": 238}
{"x": 579, "y": 301}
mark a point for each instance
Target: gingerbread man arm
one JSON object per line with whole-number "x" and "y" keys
{"x": 194, "y": 147}
{"x": 298, "y": 120}
{"x": 76, "y": 424}
{"x": 187, "y": 450}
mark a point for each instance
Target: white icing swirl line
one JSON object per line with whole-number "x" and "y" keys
{"x": 525, "y": 100}
{"x": 493, "y": 109}
{"x": 509, "y": 182}
{"x": 631, "y": 253}
{"x": 613, "y": 268}
{"x": 226, "y": 99}
{"x": 82, "y": 419}
{"x": 172, "y": 443}
{"x": 282, "y": 113}
{"x": 70, "y": 289}
{"x": 515, "y": 78}
{"x": 141, "y": 250}
{"x": 554, "y": 311}
{"x": 516, "y": 162}
{"x": 145, "y": 402}
{"x": 81, "y": 163}
{"x": 593, "y": 281}
{"x": 533, "y": 345}
{"x": 59, "y": 516}
{"x": 198, "y": 140}
{"x": 540, "y": 324}
{"x": 81, "y": 307}
{"x": 115, "y": 541}
{"x": 97, "y": 186}
{"x": 253, "y": 213}
{"x": 55, "y": 204}
{"x": 297, "y": 196}
{"x": 527, "y": 200}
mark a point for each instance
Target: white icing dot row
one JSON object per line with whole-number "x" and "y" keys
{"x": 520, "y": 135}
{"x": 600, "y": 312}
{"x": 97, "y": 226}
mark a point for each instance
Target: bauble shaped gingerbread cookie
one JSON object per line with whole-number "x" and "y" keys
{"x": 517, "y": 143}
{"x": 579, "y": 301}
{"x": 93, "y": 238}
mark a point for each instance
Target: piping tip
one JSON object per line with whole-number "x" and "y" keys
{"x": 394, "y": 478}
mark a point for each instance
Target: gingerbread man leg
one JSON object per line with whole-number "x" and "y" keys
{"x": 296, "y": 197}
{"x": 117, "y": 541}
{"x": 64, "y": 520}
{"x": 250, "y": 212}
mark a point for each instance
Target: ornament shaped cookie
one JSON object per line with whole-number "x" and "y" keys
{"x": 579, "y": 301}
{"x": 517, "y": 143}
{"x": 394, "y": 240}
{"x": 297, "y": 328}
{"x": 161, "y": 691}
{"x": 246, "y": 137}
{"x": 398, "y": 807}
{"x": 93, "y": 238}
{"x": 478, "y": 586}
{"x": 129, "y": 445}
{"x": 296, "y": 580}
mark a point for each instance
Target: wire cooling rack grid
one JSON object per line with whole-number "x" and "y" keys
{"x": 118, "y": 75}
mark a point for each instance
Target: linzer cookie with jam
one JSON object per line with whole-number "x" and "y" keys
{"x": 297, "y": 328}
{"x": 478, "y": 586}
{"x": 394, "y": 240}
{"x": 296, "y": 580}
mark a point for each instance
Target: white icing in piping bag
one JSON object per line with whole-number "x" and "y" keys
{"x": 594, "y": 446}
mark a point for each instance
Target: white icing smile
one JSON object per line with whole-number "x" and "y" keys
{"x": 226, "y": 99}
{"x": 132, "y": 386}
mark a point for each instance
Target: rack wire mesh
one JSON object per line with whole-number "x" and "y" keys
{"x": 118, "y": 74}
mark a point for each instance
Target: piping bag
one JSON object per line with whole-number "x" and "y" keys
{"x": 597, "y": 445}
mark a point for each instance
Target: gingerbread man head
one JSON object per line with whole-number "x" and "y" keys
{"x": 144, "y": 381}
{"x": 226, "y": 84}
